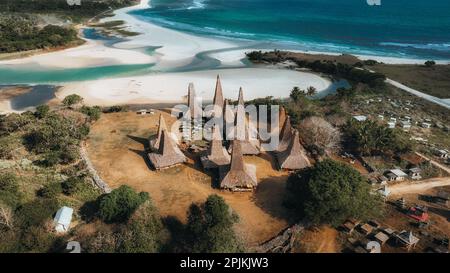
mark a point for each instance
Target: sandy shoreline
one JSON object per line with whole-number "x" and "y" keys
{"x": 172, "y": 87}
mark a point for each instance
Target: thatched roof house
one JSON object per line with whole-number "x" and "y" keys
{"x": 286, "y": 134}
{"x": 216, "y": 155}
{"x": 249, "y": 142}
{"x": 168, "y": 153}
{"x": 240, "y": 176}
{"x": 294, "y": 157}
{"x": 154, "y": 143}
{"x": 229, "y": 117}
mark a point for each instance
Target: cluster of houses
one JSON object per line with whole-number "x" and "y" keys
{"x": 372, "y": 231}
{"x": 234, "y": 174}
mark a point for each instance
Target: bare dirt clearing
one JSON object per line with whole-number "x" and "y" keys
{"x": 116, "y": 147}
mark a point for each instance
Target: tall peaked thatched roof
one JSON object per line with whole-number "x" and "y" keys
{"x": 168, "y": 153}
{"x": 216, "y": 155}
{"x": 218, "y": 100}
{"x": 250, "y": 146}
{"x": 294, "y": 157}
{"x": 282, "y": 116}
{"x": 154, "y": 143}
{"x": 229, "y": 117}
{"x": 240, "y": 176}
{"x": 285, "y": 134}
{"x": 194, "y": 107}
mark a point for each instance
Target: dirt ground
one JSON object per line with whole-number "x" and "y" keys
{"x": 319, "y": 240}
{"x": 116, "y": 147}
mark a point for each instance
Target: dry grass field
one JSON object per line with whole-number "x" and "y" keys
{"x": 116, "y": 146}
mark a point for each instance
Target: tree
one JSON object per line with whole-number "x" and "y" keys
{"x": 92, "y": 112}
{"x": 42, "y": 111}
{"x": 330, "y": 192}
{"x": 319, "y": 135}
{"x": 297, "y": 94}
{"x": 72, "y": 100}
{"x": 142, "y": 234}
{"x": 311, "y": 91}
{"x": 118, "y": 205}
{"x": 430, "y": 63}
{"x": 369, "y": 138}
{"x": 210, "y": 227}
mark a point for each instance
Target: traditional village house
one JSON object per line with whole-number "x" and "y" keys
{"x": 168, "y": 154}
{"x": 381, "y": 237}
{"x": 396, "y": 175}
{"x": 414, "y": 173}
{"x": 154, "y": 143}
{"x": 285, "y": 135}
{"x": 294, "y": 157}
{"x": 239, "y": 176}
{"x": 407, "y": 239}
{"x": 249, "y": 142}
{"x": 229, "y": 117}
{"x": 216, "y": 155}
{"x": 62, "y": 219}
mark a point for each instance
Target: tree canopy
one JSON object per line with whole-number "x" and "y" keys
{"x": 210, "y": 227}
{"x": 330, "y": 192}
{"x": 120, "y": 204}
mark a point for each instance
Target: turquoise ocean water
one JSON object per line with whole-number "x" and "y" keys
{"x": 397, "y": 28}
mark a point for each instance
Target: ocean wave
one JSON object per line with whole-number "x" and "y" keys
{"x": 429, "y": 46}
{"x": 197, "y": 4}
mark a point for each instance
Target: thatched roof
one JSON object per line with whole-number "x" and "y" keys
{"x": 194, "y": 106}
{"x": 250, "y": 145}
{"x": 218, "y": 100}
{"x": 216, "y": 155}
{"x": 168, "y": 153}
{"x": 154, "y": 143}
{"x": 282, "y": 117}
{"x": 285, "y": 135}
{"x": 240, "y": 176}
{"x": 294, "y": 157}
{"x": 229, "y": 117}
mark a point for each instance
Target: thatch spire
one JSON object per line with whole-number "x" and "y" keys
{"x": 282, "y": 116}
{"x": 242, "y": 131}
{"x": 285, "y": 134}
{"x": 240, "y": 176}
{"x": 294, "y": 157}
{"x": 218, "y": 100}
{"x": 154, "y": 143}
{"x": 216, "y": 155}
{"x": 194, "y": 107}
{"x": 168, "y": 153}
{"x": 229, "y": 117}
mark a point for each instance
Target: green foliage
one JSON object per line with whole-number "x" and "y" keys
{"x": 50, "y": 190}
{"x": 370, "y": 138}
{"x": 42, "y": 111}
{"x": 36, "y": 212}
{"x": 330, "y": 192}
{"x": 56, "y": 134}
{"x": 93, "y": 113}
{"x": 297, "y": 94}
{"x": 143, "y": 231}
{"x": 72, "y": 185}
{"x": 15, "y": 122}
{"x": 118, "y": 205}
{"x": 72, "y": 99}
{"x": 9, "y": 190}
{"x": 256, "y": 56}
{"x": 210, "y": 227}
{"x": 115, "y": 109}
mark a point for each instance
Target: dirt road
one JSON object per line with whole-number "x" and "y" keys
{"x": 423, "y": 186}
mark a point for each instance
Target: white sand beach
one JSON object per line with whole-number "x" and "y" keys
{"x": 172, "y": 87}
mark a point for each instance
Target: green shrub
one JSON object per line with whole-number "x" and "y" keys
{"x": 72, "y": 100}
{"x": 118, "y": 205}
{"x": 42, "y": 111}
{"x": 93, "y": 113}
{"x": 50, "y": 190}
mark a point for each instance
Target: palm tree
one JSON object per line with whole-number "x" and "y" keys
{"x": 311, "y": 91}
